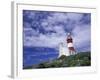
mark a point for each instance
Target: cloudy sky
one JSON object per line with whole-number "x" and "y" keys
{"x": 48, "y": 29}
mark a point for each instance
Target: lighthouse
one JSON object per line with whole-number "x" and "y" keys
{"x": 67, "y": 48}
{"x": 63, "y": 50}
{"x": 70, "y": 45}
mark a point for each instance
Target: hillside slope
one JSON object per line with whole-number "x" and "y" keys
{"x": 80, "y": 59}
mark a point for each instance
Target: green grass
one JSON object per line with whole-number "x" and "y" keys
{"x": 80, "y": 59}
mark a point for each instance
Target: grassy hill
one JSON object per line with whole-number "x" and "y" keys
{"x": 80, "y": 59}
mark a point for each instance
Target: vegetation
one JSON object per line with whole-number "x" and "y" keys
{"x": 80, "y": 59}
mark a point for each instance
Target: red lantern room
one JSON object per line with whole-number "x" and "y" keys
{"x": 70, "y": 44}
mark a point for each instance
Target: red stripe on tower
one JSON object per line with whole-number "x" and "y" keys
{"x": 70, "y": 44}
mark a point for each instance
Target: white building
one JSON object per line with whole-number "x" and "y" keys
{"x": 63, "y": 49}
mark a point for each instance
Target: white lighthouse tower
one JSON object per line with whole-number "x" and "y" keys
{"x": 70, "y": 45}
{"x": 67, "y": 49}
{"x": 63, "y": 50}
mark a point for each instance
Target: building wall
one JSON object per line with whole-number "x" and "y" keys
{"x": 63, "y": 49}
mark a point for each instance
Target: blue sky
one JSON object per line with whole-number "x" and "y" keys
{"x": 48, "y": 29}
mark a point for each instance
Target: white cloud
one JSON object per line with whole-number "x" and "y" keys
{"x": 63, "y": 17}
{"x": 26, "y": 25}
{"x": 56, "y": 17}
{"x": 82, "y": 35}
{"x": 44, "y": 23}
{"x": 59, "y": 17}
{"x": 31, "y": 15}
{"x": 28, "y": 32}
{"x": 59, "y": 30}
{"x": 43, "y": 41}
{"x": 74, "y": 16}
